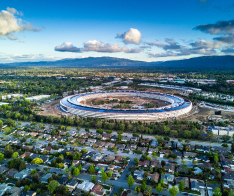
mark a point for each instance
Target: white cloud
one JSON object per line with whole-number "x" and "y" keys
{"x": 95, "y": 46}
{"x": 67, "y": 47}
{"x": 208, "y": 44}
{"x": 14, "y": 11}
{"x": 132, "y": 36}
{"x": 10, "y": 24}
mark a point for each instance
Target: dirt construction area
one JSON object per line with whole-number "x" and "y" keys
{"x": 132, "y": 101}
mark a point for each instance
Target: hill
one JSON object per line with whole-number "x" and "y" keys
{"x": 193, "y": 64}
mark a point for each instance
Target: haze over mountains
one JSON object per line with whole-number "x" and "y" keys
{"x": 192, "y": 64}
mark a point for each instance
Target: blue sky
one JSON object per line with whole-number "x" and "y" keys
{"x": 152, "y": 30}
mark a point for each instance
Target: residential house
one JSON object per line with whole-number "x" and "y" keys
{"x": 154, "y": 144}
{"x": 202, "y": 149}
{"x": 177, "y": 153}
{"x": 202, "y": 158}
{"x": 4, "y": 188}
{"x": 86, "y": 186}
{"x": 106, "y": 137}
{"x": 109, "y": 158}
{"x": 142, "y": 149}
{"x": 63, "y": 180}
{"x": 125, "y": 139}
{"x": 81, "y": 141}
{"x": 170, "y": 168}
{"x": 139, "y": 175}
{"x": 131, "y": 147}
{"x": 118, "y": 159}
{"x": 101, "y": 167}
{"x": 44, "y": 179}
{"x": 144, "y": 163}
{"x": 168, "y": 178}
{"x": 155, "y": 163}
{"x": 120, "y": 146}
{"x": 22, "y": 174}
{"x": 100, "y": 144}
{"x": 189, "y": 154}
{"x": 11, "y": 172}
{"x": 154, "y": 177}
{"x": 97, "y": 157}
{"x": 3, "y": 169}
{"x": 109, "y": 145}
{"x": 45, "y": 158}
{"x": 34, "y": 134}
{"x": 182, "y": 169}
{"x": 26, "y": 154}
{"x": 97, "y": 190}
{"x": 185, "y": 179}
{"x": 71, "y": 184}
{"x": 86, "y": 166}
{"x": 197, "y": 170}
{"x": 16, "y": 191}
{"x": 196, "y": 186}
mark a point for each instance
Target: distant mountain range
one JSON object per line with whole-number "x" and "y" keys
{"x": 192, "y": 64}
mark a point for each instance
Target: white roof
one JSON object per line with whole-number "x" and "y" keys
{"x": 86, "y": 186}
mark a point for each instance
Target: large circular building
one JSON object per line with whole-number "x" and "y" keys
{"x": 176, "y": 106}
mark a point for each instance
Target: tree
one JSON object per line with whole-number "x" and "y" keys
{"x": 1, "y": 157}
{"x": 130, "y": 181}
{"x": 163, "y": 163}
{"x": 104, "y": 177}
{"x": 150, "y": 190}
{"x": 84, "y": 151}
{"x": 232, "y": 147}
{"x": 109, "y": 174}
{"x": 15, "y": 155}
{"x": 8, "y": 151}
{"x": 187, "y": 134}
{"x": 52, "y": 186}
{"x": 225, "y": 145}
{"x": 99, "y": 131}
{"x": 37, "y": 161}
{"x": 173, "y": 191}
{"x": 231, "y": 193}
{"x": 91, "y": 169}
{"x": 136, "y": 160}
{"x": 120, "y": 189}
{"x": 34, "y": 171}
{"x": 76, "y": 156}
{"x": 94, "y": 178}
{"x": 76, "y": 172}
{"x": 143, "y": 186}
{"x": 1, "y": 123}
{"x": 61, "y": 190}
{"x": 22, "y": 166}
{"x": 217, "y": 192}
{"x": 181, "y": 185}
{"x": 183, "y": 162}
{"x": 216, "y": 157}
{"x": 108, "y": 131}
{"x": 159, "y": 188}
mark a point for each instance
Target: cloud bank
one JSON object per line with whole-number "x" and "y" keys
{"x": 95, "y": 46}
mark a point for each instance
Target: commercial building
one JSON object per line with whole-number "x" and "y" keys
{"x": 177, "y": 107}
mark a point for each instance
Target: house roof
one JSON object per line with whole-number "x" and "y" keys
{"x": 97, "y": 189}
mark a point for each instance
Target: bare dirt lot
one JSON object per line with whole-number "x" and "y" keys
{"x": 139, "y": 101}
{"x": 50, "y": 108}
{"x": 204, "y": 113}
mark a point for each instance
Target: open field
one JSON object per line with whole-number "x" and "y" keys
{"x": 139, "y": 101}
